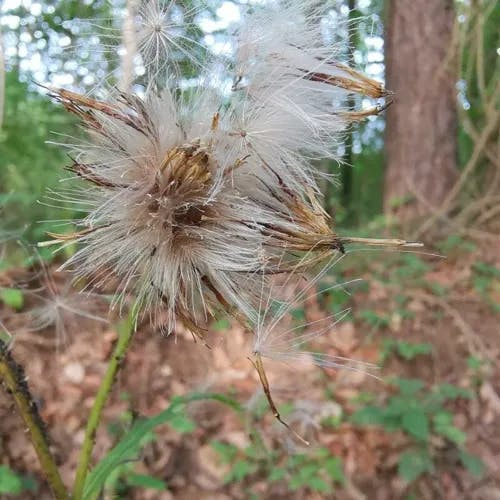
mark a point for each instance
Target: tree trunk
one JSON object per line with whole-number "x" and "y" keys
{"x": 346, "y": 172}
{"x": 130, "y": 45}
{"x": 2, "y": 81}
{"x": 421, "y": 133}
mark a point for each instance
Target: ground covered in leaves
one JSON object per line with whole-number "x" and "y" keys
{"x": 427, "y": 427}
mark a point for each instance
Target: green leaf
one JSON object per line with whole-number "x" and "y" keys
{"x": 369, "y": 415}
{"x": 409, "y": 387}
{"x": 298, "y": 314}
{"x": 277, "y": 474}
{"x": 474, "y": 363}
{"x": 437, "y": 288}
{"x": 448, "y": 392}
{"x": 414, "y": 463}
{"x": 416, "y": 423}
{"x": 221, "y": 325}
{"x": 10, "y": 482}
{"x": 397, "y": 406}
{"x": 226, "y": 451}
{"x": 145, "y": 481}
{"x": 443, "y": 424}
{"x": 182, "y": 424}
{"x": 316, "y": 483}
{"x": 373, "y": 318}
{"x": 309, "y": 470}
{"x": 241, "y": 469}
{"x": 472, "y": 463}
{"x": 408, "y": 350}
{"x": 12, "y": 297}
{"x": 5, "y": 337}
{"x": 487, "y": 269}
{"x": 126, "y": 449}
{"x": 334, "y": 468}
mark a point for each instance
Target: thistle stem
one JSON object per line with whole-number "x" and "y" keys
{"x": 125, "y": 333}
{"x": 14, "y": 379}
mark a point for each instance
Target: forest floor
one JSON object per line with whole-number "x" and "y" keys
{"x": 420, "y": 317}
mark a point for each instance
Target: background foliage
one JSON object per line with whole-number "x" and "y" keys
{"x": 410, "y": 313}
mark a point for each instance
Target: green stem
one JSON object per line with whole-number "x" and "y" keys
{"x": 14, "y": 379}
{"x": 125, "y": 333}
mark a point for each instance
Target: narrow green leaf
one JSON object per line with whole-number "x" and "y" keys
{"x": 145, "y": 481}
{"x": 126, "y": 449}
{"x": 182, "y": 424}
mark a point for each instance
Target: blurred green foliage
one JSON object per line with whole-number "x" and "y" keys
{"x": 30, "y": 166}
{"x": 115, "y": 473}
{"x": 316, "y": 471}
{"x": 123, "y": 478}
{"x": 12, "y": 483}
{"x": 405, "y": 350}
{"x": 421, "y": 414}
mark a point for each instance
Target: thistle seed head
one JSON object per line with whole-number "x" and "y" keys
{"x": 193, "y": 199}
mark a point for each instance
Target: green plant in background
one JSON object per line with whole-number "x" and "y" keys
{"x": 12, "y": 483}
{"x": 410, "y": 267}
{"x": 422, "y": 416}
{"x": 116, "y": 470}
{"x": 29, "y": 166}
{"x": 486, "y": 283}
{"x": 403, "y": 349}
{"x": 334, "y": 300}
{"x": 124, "y": 477}
{"x": 12, "y": 297}
{"x": 316, "y": 471}
{"x": 374, "y": 319}
{"x": 455, "y": 244}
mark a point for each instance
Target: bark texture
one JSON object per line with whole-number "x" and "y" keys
{"x": 2, "y": 81}
{"x": 421, "y": 133}
{"x": 130, "y": 46}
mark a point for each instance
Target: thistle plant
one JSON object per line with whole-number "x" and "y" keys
{"x": 197, "y": 195}
{"x": 192, "y": 196}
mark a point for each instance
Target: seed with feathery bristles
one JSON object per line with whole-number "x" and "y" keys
{"x": 274, "y": 340}
{"x": 191, "y": 201}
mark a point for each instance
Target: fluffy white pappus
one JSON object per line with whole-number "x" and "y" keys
{"x": 57, "y": 306}
{"x": 284, "y": 69}
{"x": 143, "y": 42}
{"x": 164, "y": 215}
{"x": 271, "y": 143}
{"x": 276, "y": 337}
{"x": 196, "y": 194}
{"x": 60, "y": 310}
{"x": 162, "y": 33}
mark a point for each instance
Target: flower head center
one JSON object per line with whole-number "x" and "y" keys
{"x": 181, "y": 189}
